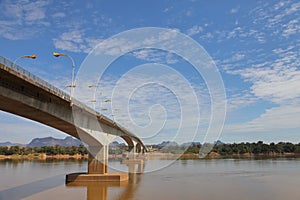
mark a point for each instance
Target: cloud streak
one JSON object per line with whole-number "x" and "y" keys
{"x": 273, "y": 120}
{"x": 152, "y": 105}
{"x": 75, "y": 41}
{"x": 22, "y": 19}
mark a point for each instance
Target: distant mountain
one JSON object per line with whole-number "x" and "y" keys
{"x": 218, "y": 142}
{"x": 167, "y": 144}
{"x": 70, "y": 141}
{"x": 191, "y": 144}
{"x": 50, "y": 141}
{"x": 9, "y": 144}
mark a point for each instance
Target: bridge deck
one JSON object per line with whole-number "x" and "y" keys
{"x": 27, "y": 95}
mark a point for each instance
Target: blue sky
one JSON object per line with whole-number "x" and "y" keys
{"x": 254, "y": 44}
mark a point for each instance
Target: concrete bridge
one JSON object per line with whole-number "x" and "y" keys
{"x": 24, "y": 94}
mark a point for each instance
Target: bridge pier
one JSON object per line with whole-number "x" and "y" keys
{"x": 23, "y": 94}
{"x": 97, "y": 168}
{"x": 135, "y": 156}
{"x": 98, "y": 159}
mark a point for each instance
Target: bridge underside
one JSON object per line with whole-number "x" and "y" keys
{"x": 24, "y": 97}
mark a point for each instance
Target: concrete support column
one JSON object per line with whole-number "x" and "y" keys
{"x": 141, "y": 167}
{"x": 133, "y": 151}
{"x": 143, "y": 150}
{"x": 98, "y": 159}
{"x": 97, "y": 170}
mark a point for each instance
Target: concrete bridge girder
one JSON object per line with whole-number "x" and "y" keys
{"x": 97, "y": 125}
{"x": 41, "y": 102}
{"x": 87, "y": 128}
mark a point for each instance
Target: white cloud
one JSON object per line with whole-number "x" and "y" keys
{"x": 276, "y": 85}
{"x": 34, "y": 11}
{"x": 66, "y": 45}
{"x": 240, "y": 100}
{"x": 75, "y": 41}
{"x": 274, "y": 81}
{"x": 279, "y": 5}
{"x": 168, "y": 9}
{"x": 154, "y": 55}
{"x": 235, "y": 58}
{"x": 274, "y": 119}
{"x": 59, "y": 15}
{"x": 118, "y": 46}
{"x": 293, "y": 8}
{"x": 138, "y": 93}
{"x": 92, "y": 42}
{"x": 194, "y": 30}
{"x": 238, "y": 33}
{"x": 291, "y": 28}
{"x": 281, "y": 19}
{"x": 273, "y": 77}
{"x": 234, "y": 10}
{"x": 280, "y": 51}
{"x": 242, "y": 32}
{"x": 21, "y": 19}
{"x": 148, "y": 54}
{"x": 207, "y": 36}
{"x": 277, "y": 81}
{"x": 74, "y": 36}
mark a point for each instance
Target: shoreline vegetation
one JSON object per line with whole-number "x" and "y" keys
{"x": 42, "y": 156}
{"x": 185, "y": 156}
{"x": 257, "y": 150}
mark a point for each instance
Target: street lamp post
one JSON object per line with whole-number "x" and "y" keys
{"x": 33, "y": 56}
{"x": 73, "y": 70}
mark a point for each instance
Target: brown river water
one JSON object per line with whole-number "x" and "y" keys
{"x": 264, "y": 179}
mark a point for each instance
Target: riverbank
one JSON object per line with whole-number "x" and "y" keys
{"x": 42, "y": 156}
{"x": 214, "y": 155}
{"x": 155, "y": 155}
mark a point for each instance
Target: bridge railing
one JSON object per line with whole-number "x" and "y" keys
{"x": 27, "y": 75}
{"x": 34, "y": 78}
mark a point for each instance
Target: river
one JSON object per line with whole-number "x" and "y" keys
{"x": 231, "y": 179}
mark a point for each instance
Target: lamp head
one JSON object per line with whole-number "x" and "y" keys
{"x": 58, "y": 54}
{"x": 33, "y": 56}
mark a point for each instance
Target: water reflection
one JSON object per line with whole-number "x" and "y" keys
{"x": 22, "y": 178}
{"x": 28, "y": 189}
{"x": 274, "y": 179}
{"x": 100, "y": 190}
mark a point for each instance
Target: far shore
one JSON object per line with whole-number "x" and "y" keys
{"x": 214, "y": 155}
{"x": 153, "y": 155}
{"x": 42, "y": 156}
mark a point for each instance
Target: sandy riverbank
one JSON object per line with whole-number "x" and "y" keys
{"x": 153, "y": 155}
{"x": 42, "y": 156}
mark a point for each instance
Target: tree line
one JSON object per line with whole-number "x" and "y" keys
{"x": 222, "y": 149}
{"x": 252, "y": 148}
{"x": 49, "y": 150}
